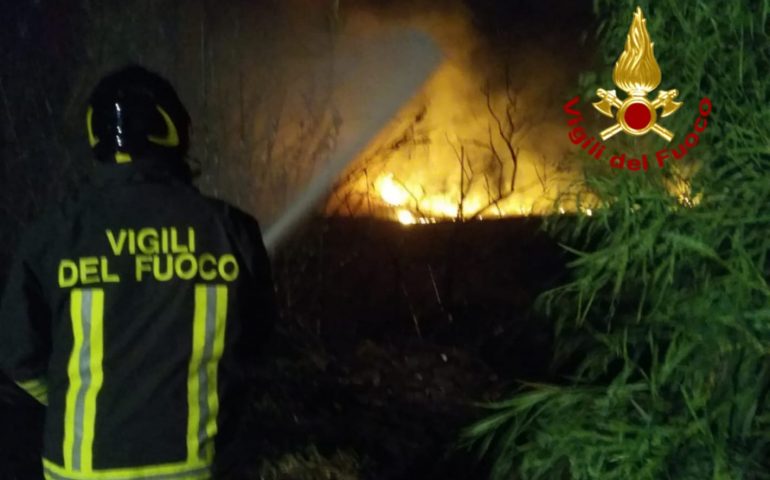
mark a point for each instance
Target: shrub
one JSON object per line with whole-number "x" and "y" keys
{"x": 665, "y": 325}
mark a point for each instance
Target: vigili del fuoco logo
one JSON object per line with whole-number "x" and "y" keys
{"x": 637, "y": 74}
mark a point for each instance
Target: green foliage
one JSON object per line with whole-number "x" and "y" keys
{"x": 665, "y": 326}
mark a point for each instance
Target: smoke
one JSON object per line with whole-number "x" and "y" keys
{"x": 486, "y": 131}
{"x": 376, "y": 79}
{"x": 265, "y": 83}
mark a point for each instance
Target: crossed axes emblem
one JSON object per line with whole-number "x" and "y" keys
{"x": 637, "y": 73}
{"x": 637, "y": 115}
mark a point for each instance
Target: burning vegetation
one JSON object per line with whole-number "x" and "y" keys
{"x": 482, "y": 140}
{"x": 485, "y": 137}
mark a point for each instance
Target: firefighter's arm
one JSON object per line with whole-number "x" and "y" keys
{"x": 263, "y": 307}
{"x": 261, "y": 313}
{"x": 25, "y": 330}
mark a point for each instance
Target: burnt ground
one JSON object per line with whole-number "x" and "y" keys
{"x": 389, "y": 337}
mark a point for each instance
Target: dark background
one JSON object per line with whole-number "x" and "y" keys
{"x": 395, "y": 331}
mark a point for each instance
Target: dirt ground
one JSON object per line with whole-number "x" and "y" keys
{"x": 397, "y": 333}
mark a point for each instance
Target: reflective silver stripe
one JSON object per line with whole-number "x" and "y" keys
{"x": 85, "y": 379}
{"x": 203, "y": 377}
{"x": 209, "y": 325}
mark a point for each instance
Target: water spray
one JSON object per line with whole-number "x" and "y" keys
{"x": 376, "y": 79}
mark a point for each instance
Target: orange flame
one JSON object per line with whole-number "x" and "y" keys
{"x": 636, "y": 71}
{"x": 481, "y": 141}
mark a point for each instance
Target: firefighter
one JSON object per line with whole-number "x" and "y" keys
{"x": 136, "y": 311}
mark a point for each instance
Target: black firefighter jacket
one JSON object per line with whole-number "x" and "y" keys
{"x": 136, "y": 312}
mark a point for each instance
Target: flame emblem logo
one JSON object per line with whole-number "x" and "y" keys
{"x": 637, "y": 73}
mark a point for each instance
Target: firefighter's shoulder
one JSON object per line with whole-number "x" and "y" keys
{"x": 42, "y": 235}
{"x": 236, "y": 219}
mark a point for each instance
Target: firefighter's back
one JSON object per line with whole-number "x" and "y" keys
{"x": 136, "y": 309}
{"x": 145, "y": 277}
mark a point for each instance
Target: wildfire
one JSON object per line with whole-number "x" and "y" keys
{"x": 391, "y": 191}
{"x": 482, "y": 140}
{"x": 406, "y": 217}
{"x": 409, "y": 209}
{"x": 681, "y": 188}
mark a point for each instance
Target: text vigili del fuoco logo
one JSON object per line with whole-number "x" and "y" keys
{"x": 637, "y": 74}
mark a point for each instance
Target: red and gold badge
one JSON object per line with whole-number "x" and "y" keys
{"x": 637, "y": 73}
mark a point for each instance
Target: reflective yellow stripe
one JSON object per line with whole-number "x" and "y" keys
{"x": 193, "y": 385}
{"x": 92, "y": 140}
{"x": 171, "y": 471}
{"x": 73, "y": 372}
{"x": 219, "y": 345}
{"x": 209, "y": 324}
{"x": 97, "y": 377}
{"x": 122, "y": 157}
{"x": 84, "y": 370}
{"x": 172, "y": 135}
{"x": 37, "y": 387}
